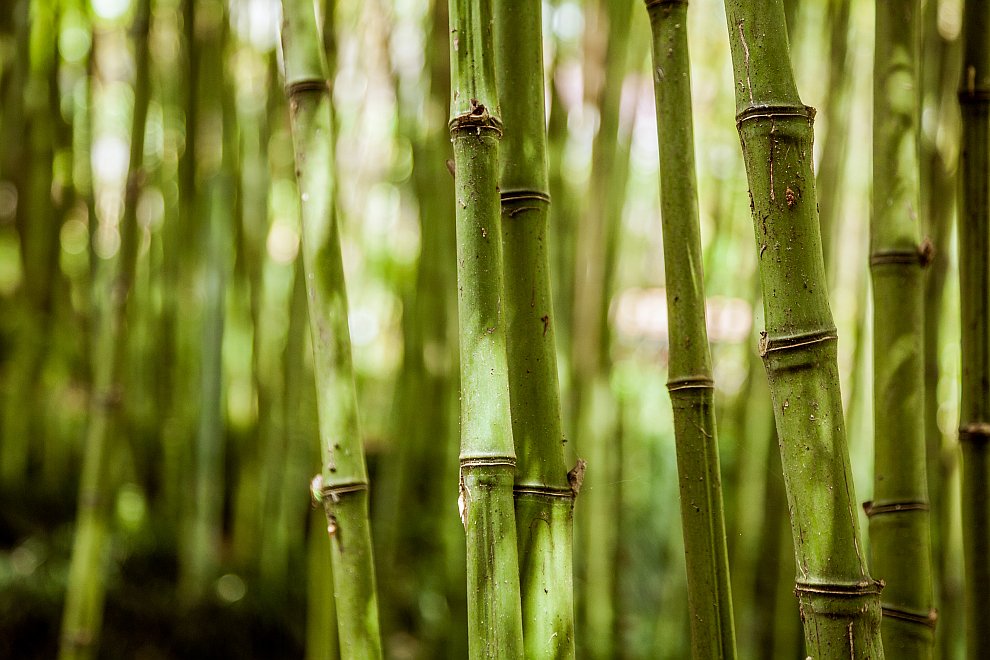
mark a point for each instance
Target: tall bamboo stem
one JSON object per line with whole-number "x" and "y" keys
{"x": 839, "y": 601}
{"x": 690, "y": 371}
{"x": 487, "y": 455}
{"x": 899, "y": 517}
{"x": 974, "y": 285}
{"x": 343, "y": 482}
{"x": 544, "y": 498}
{"x": 82, "y": 618}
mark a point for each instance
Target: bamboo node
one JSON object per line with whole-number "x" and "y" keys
{"x": 840, "y": 589}
{"x": 544, "y": 491}
{"x": 306, "y": 85}
{"x": 974, "y": 97}
{"x": 770, "y": 344}
{"x": 775, "y": 112}
{"x": 924, "y": 618}
{"x": 650, "y": 4}
{"x": 477, "y": 119}
{"x": 690, "y": 383}
{"x": 918, "y": 257}
{"x": 974, "y": 432}
{"x": 333, "y": 493}
{"x": 872, "y": 509}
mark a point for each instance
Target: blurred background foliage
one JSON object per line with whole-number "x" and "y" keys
{"x": 215, "y": 423}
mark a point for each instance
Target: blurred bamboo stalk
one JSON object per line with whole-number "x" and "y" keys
{"x": 974, "y": 285}
{"x": 82, "y": 617}
{"x": 690, "y": 382}
{"x": 838, "y": 599}
{"x": 342, "y": 484}
{"x": 899, "y": 513}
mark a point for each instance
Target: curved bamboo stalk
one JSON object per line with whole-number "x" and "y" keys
{"x": 690, "y": 371}
{"x": 839, "y": 601}
{"x": 86, "y": 591}
{"x": 487, "y": 456}
{"x": 543, "y": 496}
{"x": 899, "y": 512}
{"x": 343, "y": 483}
{"x": 974, "y": 283}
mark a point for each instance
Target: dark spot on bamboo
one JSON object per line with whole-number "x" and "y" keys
{"x": 546, "y": 323}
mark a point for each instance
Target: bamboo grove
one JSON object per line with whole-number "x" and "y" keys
{"x": 494, "y": 329}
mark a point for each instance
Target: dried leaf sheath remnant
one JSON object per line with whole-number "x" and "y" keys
{"x": 690, "y": 382}
{"x": 487, "y": 456}
{"x": 344, "y": 491}
{"x": 838, "y": 600}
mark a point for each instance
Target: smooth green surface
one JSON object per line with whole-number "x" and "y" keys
{"x": 344, "y": 475}
{"x": 838, "y": 599}
{"x": 544, "y": 500}
{"x": 690, "y": 369}
{"x": 487, "y": 453}
{"x": 899, "y": 517}
{"x": 974, "y": 289}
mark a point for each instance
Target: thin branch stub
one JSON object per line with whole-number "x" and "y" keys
{"x": 928, "y": 619}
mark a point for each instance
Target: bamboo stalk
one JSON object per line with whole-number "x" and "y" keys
{"x": 487, "y": 456}
{"x": 83, "y": 614}
{"x": 899, "y": 512}
{"x": 689, "y": 373}
{"x": 974, "y": 283}
{"x": 544, "y": 499}
{"x": 839, "y": 601}
{"x": 343, "y": 483}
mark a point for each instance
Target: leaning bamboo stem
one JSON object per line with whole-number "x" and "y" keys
{"x": 487, "y": 456}
{"x": 899, "y": 512}
{"x": 543, "y": 497}
{"x": 690, "y": 371}
{"x": 343, "y": 482}
{"x": 839, "y": 600}
{"x": 86, "y": 590}
{"x": 974, "y": 283}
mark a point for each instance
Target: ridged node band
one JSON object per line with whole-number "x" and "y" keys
{"x": 332, "y": 493}
{"x": 306, "y": 85}
{"x": 650, "y": 4}
{"x": 925, "y": 619}
{"x": 920, "y": 257}
{"x": 839, "y": 589}
{"x": 488, "y": 461}
{"x": 872, "y": 509}
{"x": 793, "y": 342}
{"x": 775, "y": 112}
{"x": 974, "y": 97}
{"x": 510, "y": 196}
{"x": 977, "y": 432}
{"x": 544, "y": 491}
{"x": 690, "y": 383}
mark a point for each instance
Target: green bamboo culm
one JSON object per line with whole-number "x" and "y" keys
{"x": 690, "y": 371}
{"x": 900, "y": 543}
{"x": 342, "y": 485}
{"x": 487, "y": 459}
{"x": 543, "y": 495}
{"x": 974, "y": 283}
{"x": 839, "y": 601}
{"x": 86, "y": 590}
